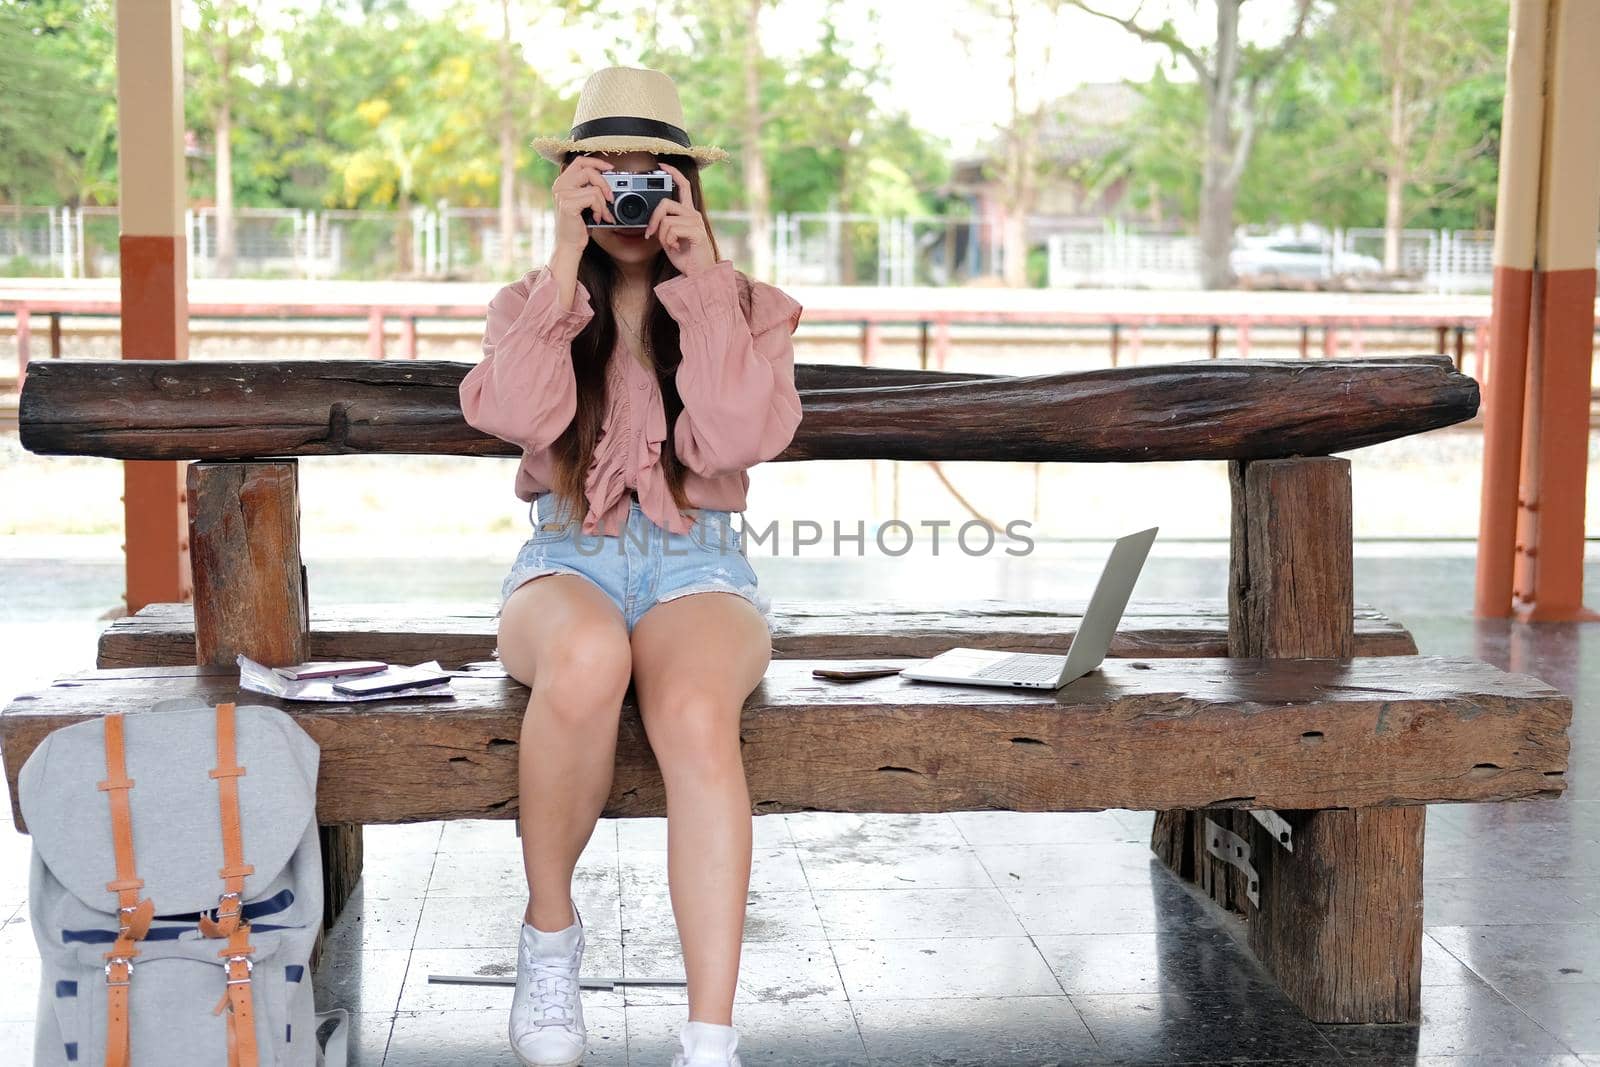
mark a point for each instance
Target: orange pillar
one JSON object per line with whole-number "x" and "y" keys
{"x": 1521, "y": 140}
{"x": 155, "y": 300}
{"x": 1555, "y": 436}
{"x": 1536, "y": 411}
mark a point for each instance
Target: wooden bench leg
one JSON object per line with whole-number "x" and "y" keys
{"x": 250, "y": 596}
{"x": 1338, "y": 914}
{"x": 1340, "y": 922}
{"x": 341, "y": 867}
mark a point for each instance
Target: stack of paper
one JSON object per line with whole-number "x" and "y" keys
{"x": 259, "y": 679}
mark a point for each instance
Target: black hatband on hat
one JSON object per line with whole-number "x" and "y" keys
{"x": 629, "y": 126}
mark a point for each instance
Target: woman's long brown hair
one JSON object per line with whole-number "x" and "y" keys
{"x": 573, "y": 451}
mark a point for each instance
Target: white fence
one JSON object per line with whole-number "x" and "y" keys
{"x": 1451, "y": 261}
{"x": 1117, "y": 256}
{"x": 820, "y": 248}
{"x": 47, "y": 238}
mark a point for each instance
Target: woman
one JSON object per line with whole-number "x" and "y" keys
{"x": 641, "y": 389}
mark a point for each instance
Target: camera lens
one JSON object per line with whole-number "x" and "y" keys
{"x": 630, "y": 209}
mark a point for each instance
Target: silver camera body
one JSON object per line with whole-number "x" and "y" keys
{"x": 634, "y": 196}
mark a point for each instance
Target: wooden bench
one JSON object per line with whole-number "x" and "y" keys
{"x": 1288, "y": 742}
{"x": 1289, "y": 737}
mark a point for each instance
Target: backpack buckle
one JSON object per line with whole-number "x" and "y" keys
{"x": 216, "y": 912}
{"x": 127, "y": 974}
{"x": 249, "y": 969}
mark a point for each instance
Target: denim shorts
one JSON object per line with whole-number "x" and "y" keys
{"x": 644, "y": 564}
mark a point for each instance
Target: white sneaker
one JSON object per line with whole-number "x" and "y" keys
{"x": 547, "y": 1013}
{"x": 706, "y": 1045}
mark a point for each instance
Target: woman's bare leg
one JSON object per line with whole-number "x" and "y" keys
{"x": 564, "y": 639}
{"x": 695, "y": 660}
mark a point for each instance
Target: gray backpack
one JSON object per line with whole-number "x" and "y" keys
{"x": 175, "y": 890}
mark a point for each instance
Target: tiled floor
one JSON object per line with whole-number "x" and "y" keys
{"x": 987, "y": 938}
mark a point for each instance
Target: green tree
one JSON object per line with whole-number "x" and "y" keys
{"x": 806, "y": 133}
{"x": 395, "y": 108}
{"x": 221, "y": 76}
{"x": 58, "y": 119}
{"x": 1327, "y": 147}
{"x": 1428, "y": 65}
{"x": 1234, "y": 78}
{"x": 735, "y": 92}
{"x": 1024, "y": 168}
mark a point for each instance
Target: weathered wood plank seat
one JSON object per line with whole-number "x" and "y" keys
{"x": 1289, "y": 763}
{"x": 1140, "y": 734}
{"x": 163, "y": 634}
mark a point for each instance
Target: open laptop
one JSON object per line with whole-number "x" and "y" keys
{"x": 1037, "y": 670}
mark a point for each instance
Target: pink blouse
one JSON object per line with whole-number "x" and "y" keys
{"x": 736, "y": 380}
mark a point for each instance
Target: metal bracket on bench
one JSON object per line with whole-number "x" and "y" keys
{"x": 1276, "y": 825}
{"x": 1234, "y": 850}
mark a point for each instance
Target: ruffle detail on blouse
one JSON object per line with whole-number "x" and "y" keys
{"x": 655, "y": 495}
{"x": 616, "y": 455}
{"x": 629, "y": 449}
{"x": 605, "y": 482}
{"x": 605, "y": 488}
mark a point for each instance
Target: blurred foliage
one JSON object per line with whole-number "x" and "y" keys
{"x": 826, "y": 141}
{"x": 1322, "y": 152}
{"x": 58, "y": 113}
{"x": 370, "y": 104}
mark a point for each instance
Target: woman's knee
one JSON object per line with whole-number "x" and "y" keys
{"x": 692, "y": 732}
{"x": 565, "y": 638}
{"x": 590, "y": 663}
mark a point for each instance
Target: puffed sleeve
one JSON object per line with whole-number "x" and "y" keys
{"x": 736, "y": 380}
{"x": 524, "y": 390}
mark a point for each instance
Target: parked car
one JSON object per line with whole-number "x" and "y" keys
{"x": 1275, "y": 258}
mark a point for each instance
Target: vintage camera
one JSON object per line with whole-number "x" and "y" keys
{"x": 635, "y": 195}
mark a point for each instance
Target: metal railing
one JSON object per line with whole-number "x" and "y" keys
{"x": 1326, "y": 332}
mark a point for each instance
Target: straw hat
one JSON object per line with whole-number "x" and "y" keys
{"x": 628, "y": 109}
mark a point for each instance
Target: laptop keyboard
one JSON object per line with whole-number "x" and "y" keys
{"x": 1023, "y": 667}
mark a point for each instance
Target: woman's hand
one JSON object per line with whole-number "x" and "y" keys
{"x": 681, "y": 229}
{"x": 578, "y": 187}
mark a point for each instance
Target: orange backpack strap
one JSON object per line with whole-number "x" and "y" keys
{"x": 229, "y": 921}
{"x": 236, "y": 998}
{"x": 133, "y": 914}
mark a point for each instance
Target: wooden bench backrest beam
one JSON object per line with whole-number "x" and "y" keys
{"x": 1210, "y": 409}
